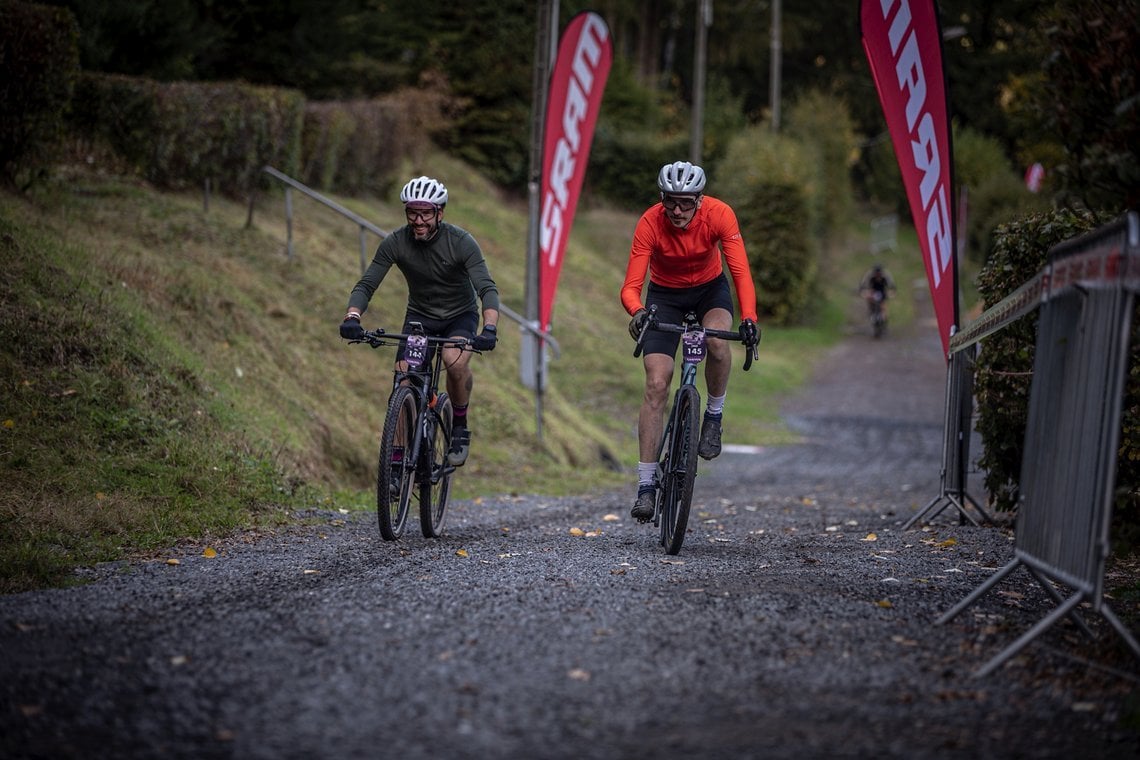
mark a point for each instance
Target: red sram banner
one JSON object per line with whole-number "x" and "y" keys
{"x": 576, "y": 84}
{"x": 903, "y": 43}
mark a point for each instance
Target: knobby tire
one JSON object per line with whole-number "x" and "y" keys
{"x": 394, "y": 493}
{"x": 434, "y": 471}
{"x": 680, "y": 468}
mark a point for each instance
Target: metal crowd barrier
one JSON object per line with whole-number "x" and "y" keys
{"x": 957, "y": 427}
{"x": 1086, "y": 295}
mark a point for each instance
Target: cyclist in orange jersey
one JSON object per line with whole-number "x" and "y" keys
{"x": 679, "y": 243}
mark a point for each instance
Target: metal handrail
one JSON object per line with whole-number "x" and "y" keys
{"x": 322, "y": 199}
{"x": 364, "y": 224}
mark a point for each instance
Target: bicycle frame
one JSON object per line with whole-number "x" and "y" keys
{"x": 422, "y": 375}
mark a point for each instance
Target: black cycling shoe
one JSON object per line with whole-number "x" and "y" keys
{"x": 460, "y": 447}
{"x": 643, "y": 508}
{"x": 709, "y": 446}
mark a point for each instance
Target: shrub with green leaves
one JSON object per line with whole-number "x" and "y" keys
{"x": 996, "y": 192}
{"x": 1005, "y": 369}
{"x": 824, "y": 122}
{"x": 1005, "y": 363}
{"x": 768, "y": 179}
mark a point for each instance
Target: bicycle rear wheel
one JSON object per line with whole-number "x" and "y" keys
{"x": 680, "y": 468}
{"x": 395, "y": 471}
{"x": 435, "y": 472}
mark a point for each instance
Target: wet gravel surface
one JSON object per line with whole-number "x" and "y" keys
{"x": 798, "y": 621}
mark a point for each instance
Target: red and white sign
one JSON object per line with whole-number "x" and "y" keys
{"x": 585, "y": 54}
{"x": 903, "y": 43}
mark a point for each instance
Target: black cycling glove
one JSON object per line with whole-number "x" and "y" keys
{"x": 637, "y": 323}
{"x": 350, "y": 328}
{"x": 749, "y": 333}
{"x": 485, "y": 341}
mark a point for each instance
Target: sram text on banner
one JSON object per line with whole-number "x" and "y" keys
{"x": 579, "y": 77}
{"x": 904, "y": 47}
{"x": 924, "y": 142}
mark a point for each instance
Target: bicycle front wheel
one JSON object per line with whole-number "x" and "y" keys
{"x": 435, "y": 472}
{"x": 396, "y": 470}
{"x": 680, "y": 468}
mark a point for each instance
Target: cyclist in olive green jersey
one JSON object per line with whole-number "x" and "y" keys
{"x": 447, "y": 280}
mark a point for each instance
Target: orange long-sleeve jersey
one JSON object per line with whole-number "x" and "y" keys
{"x": 676, "y": 258}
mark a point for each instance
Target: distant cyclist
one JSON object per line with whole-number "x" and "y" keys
{"x": 680, "y": 242}
{"x": 445, "y": 271}
{"x": 877, "y": 286}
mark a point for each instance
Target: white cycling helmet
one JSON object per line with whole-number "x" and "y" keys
{"x": 681, "y": 177}
{"x": 424, "y": 190}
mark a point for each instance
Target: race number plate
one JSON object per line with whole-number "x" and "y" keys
{"x": 415, "y": 351}
{"x": 693, "y": 345}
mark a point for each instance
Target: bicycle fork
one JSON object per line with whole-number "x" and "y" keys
{"x": 664, "y": 459}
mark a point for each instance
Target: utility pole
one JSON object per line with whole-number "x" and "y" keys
{"x": 700, "y": 63}
{"x": 531, "y": 346}
{"x": 774, "y": 84}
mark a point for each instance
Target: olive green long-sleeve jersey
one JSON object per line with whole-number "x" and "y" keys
{"x": 444, "y": 274}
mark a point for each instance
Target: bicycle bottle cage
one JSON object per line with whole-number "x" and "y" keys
{"x": 693, "y": 345}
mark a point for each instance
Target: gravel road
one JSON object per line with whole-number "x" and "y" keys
{"x": 797, "y": 622}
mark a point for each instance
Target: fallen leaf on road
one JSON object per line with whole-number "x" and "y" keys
{"x": 209, "y": 552}
{"x": 461, "y": 552}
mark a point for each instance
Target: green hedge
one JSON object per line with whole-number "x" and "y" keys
{"x": 39, "y": 61}
{"x": 181, "y": 134}
{"x": 358, "y": 146}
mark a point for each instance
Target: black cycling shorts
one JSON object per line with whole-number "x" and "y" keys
{"x": 672, "y": 305}
{"x": 461, "y": 326}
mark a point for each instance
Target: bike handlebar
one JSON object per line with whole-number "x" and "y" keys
{"x": 377, "y": 338}
{"x": 652, "y": 323}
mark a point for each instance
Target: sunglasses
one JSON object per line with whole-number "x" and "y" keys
{"x": 684, "y": 204}
{"x": 419, "y": 215}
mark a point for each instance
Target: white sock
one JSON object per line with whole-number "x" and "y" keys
{"x": 715, "y": 405}
{"x": 646, "y": 471}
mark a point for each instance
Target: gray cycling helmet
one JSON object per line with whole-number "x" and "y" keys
{"x": 424, "y": 190}
{"x": 681, "y": 178}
